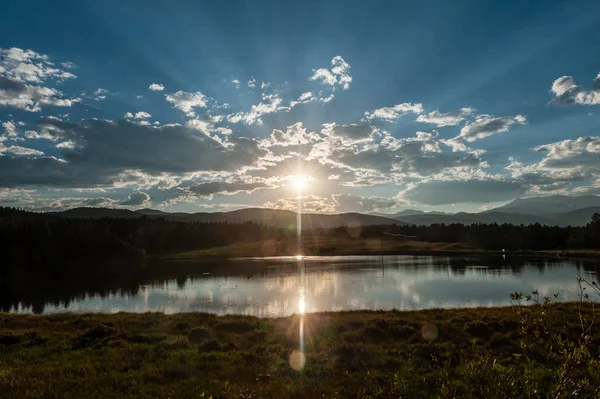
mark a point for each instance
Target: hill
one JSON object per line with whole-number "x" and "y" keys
{"x": 271, "y": 217}
{"x": 549, "y": 205}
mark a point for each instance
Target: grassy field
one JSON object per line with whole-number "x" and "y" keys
{"x": 329, "y": 246}
{"x": 485, "y": 352}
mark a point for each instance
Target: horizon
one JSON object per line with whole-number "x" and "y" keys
{"x": 460, "y": 107}
{"x": 374, "y": 213}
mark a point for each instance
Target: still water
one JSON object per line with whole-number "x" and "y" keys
{"x": 271, "y": 287}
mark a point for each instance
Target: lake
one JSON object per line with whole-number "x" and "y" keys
{"x": 280, "y": 286}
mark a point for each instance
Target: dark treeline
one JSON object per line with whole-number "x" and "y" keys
{"x": 28, "y": 237}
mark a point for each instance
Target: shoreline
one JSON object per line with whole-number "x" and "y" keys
{"x": 367, "y": 248}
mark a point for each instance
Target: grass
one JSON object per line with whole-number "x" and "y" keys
{"x": 428, "y": 353}
{"x": 315, "y": 245}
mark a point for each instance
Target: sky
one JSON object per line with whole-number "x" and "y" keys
{"x": 339, "y": 106}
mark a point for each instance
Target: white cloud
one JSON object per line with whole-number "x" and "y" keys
{"x": 294, "y": 135}
{"x": 10, "y": 129}
{"x": 392, "y": 114}
{"x": 487, "y": 125}
{"x": 187, "y": 101}
{"x": 310, "y": 204}
{"x": 18, "y": 150}
{"x": 22, "y": 73}
{"x": 100, "y": 94}
{"x": 338, "y": 75}
{"x": 445, "y": 119}
{"x": 252, "y": 83}
{"x": 567, "y": 92}
{"x": 270, "y": 104}
{"x": 236, "y": 83}
{"x": 28, "y": 66}
{"x": 304, "y": 99}
{"x": 138, "y": 115}
{"x": 156, "y": 87}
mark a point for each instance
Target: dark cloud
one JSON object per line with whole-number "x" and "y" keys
{"x": 353, "y": 132}
{"x": 136, "y": 198}
{"x": 97, "y": 152}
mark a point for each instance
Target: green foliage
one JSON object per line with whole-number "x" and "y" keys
{"x": 535, "y": 351}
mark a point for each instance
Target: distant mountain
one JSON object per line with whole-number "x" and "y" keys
{"x": 281, "y": 218}
{"x": 549, "y": 205}
{"x": 409, "y": 212}
{"x": 579, "y": 217}
{"x": 96, "y": 213}
{"x": 274, "y": 217}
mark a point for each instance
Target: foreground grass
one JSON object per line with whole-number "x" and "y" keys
{"x": 430, "y": 353}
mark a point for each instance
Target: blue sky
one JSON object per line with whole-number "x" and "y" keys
{"x": 353, "y": 106}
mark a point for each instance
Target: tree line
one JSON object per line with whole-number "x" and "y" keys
{"x": 28, "y": 237}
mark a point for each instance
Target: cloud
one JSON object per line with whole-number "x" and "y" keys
{"x": 392, "y": 114}
{"x": 30, "y": 98}
{"x": 295, "y": 134}
{"x": 252, "y": 83}
{"x": 416, "y": 156}
{"x": 138, "y": 115}
{"x": 357, "y": 203}
{"x": 156, "y": 87}
{"x": 270, "y": 104}
{"x": 22, "y": 75}
{"x": 337, "y": 75}
{"x": 137, "y": 198}
{"x": 444, "y": 192}
{"x": 100, "y": 94}
{"x": 118, "y": 153}
{"x": 304, "y": 98}
{"x": 564, "y": 164}
{"x": 28, "y": 66}
{"x": 229, "y": 188}
{"x": 187, "y": 101}
{"x": 567, "y": 92}
{"x": 18, "y": 150}
{"x": 487, "y": 125}
{"x": 350, "y": 133}
{"x": 310, "y": 204}
{"x": 236, "y": 83}
{"x": 445, "y": 119}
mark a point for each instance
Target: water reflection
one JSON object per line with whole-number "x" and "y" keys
{"x": 286, "y": 285}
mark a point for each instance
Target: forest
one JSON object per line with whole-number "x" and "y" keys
{"x": 30, "y": 239}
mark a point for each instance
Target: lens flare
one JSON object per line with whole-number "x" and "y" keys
{"x": 297, "y": 360}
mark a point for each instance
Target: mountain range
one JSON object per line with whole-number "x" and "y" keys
{"x": 557, "y": 210}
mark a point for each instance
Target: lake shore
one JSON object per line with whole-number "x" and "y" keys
{"x": 452, "y": 353}
{"x": 342, "y": 246}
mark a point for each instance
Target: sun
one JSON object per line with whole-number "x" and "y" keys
{"x": 299, "y": 182}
